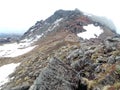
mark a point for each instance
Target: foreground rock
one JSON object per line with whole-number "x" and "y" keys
{"x": 56, "y": 76}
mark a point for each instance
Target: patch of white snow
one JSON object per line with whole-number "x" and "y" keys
{"x": 15, "y": 49}
{"x": 32, "y": 39}
{"x": 5, "y": 71}
{"x": 38, "y": 37}
{"x": 58, "y": 20}
{"x": 55, "y": 24}
{"x": 91, "y": 32}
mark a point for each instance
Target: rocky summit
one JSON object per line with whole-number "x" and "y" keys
{"x": 73, "y": 51}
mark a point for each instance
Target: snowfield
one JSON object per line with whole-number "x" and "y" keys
{"x": 31, "y": 40}
{"x": 5, "y": 71}
{"x": 14, "y": 49}
{"x": 17, "y": 49}
{"x": 91, "y": 32}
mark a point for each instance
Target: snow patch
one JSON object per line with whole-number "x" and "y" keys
{"x": 91, "y": 32}
{"x": 32, "y": 39}
{"x": 58, "y": 20}
{"x": 5, "y": 71}
{"x": 32, "y": 30}
{"x": 55, "y": 24}
{"x": 15, "y": 49}
{"x": 20, "y": 48}
{"x": 38, "y": 37}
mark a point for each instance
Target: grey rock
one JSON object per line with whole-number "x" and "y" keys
{"x": 109, "y": 80}
{"x": 117, "y": 58}
{"x": 96, "y": 88}
{"x": 21, "y": 88}
{"x": 82, "y": 64}
{"x": 98, "y": 69}
{"x": 114, "y": 39}
{"x": 25, "y": 86}
{"x": 94, "y": 65}
{"x": 111, "y": 43}
{"x": 111, "y": 59}
{"x": 89, "y": 53}
{"x": 101, "y": 60}
{"x": 56, "y": 76}
{"x": 74, "y": 54}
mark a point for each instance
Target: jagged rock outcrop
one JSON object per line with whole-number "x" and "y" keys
{"x": 50, "y": 24}
{"x": 56, "y": 76}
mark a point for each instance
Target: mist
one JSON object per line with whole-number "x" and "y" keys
{"x": 18, "y": 16}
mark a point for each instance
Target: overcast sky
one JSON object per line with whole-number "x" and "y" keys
{"x": 19, "y": 15}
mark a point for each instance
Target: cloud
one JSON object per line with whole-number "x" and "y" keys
{"x": 21, "y": 14}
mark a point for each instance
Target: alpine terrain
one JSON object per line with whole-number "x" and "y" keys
{"x": 9, "y": 38}
{"x": 70, "y": 50}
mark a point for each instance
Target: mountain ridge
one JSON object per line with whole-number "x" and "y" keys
{"x": 64, "y": 60}
{"x": 41, "y": 25}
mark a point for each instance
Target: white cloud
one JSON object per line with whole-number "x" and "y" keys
{"x": 21, "y": 14}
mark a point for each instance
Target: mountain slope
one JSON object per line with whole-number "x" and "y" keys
{"x": 68, "y": 20}
{"x": 66, "y": 57}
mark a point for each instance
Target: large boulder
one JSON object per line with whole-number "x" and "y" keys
{"x": 56, "y": 76}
